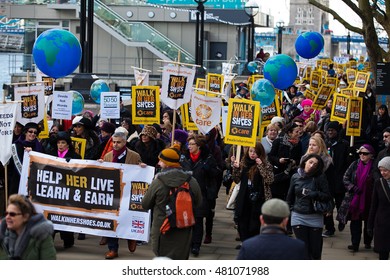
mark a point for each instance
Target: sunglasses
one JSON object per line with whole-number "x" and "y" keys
{"x": 12, "y": 214}
{"x": 364, "y": 153}
{"x": 33, "y": 132}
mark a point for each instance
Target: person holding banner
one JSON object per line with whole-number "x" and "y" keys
{"x": 25, "y": 234}
{"x": 28, "y": 141}
{"x": 148, "y": 147}
{"x": 65, "y": 149}
{"x": 83, "y": 129}
{"x": 120, "y": 154}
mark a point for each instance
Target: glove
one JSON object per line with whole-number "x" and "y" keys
{"x": 370, "y": 232}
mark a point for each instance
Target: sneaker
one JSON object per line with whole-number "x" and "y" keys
{"x": 341, "y": 227}
{"x": 328, "y": 233}
{"x": 207, "y": 239}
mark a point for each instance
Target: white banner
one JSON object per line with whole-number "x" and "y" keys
{"x": 227, "y": 86}
{"x": 224, "y": 119}
{"x": 62, "y": 105}
{"x": 176, "y": 86}
{"x": 110, "y": 105}
{"x": 32, "y": 107}
{"x": 7, "y": 124}
{"x": 227, "y": 68}
{"x": 141, "y": 78}
{"x": 205, "y": 111}
{"x": 102, "y": 199}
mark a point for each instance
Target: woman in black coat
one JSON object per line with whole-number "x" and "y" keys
{"x": 378, "y": 219}
{"x": 204, "y": 170}
{"x": 65, "y": 149}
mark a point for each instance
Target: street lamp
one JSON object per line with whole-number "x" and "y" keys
{"x": 280, "y": 26}
{"x": 199, "y": 36}
{"x": 251, "y": 9}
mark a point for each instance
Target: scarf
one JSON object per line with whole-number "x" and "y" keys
{"x": 195, "y": 157}
{"x": 359, "y": 199}
{"x": 294, "y": 142}
{"x": 116, "y": 154}
{"x": 62, "y": 154}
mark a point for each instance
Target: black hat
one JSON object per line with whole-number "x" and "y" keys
{"x": 31, "y": 125}
{"x": 84, "y": 122}
{"x": 62, "y": 135}
{"x": 334, "y": 125}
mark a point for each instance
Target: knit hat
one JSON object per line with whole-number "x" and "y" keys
{"x": 275, "y": 207}
{"x": 149, "y": 131}
{"x": 334, "y": 125}
{"x": 171, "y": 156}
{"x": 306, "y": 102}
{"x": 385, "y": 163}
{"x": 181, "y": 136}
{"x": 368, "y": 147}
{"x": 84, "y": 122}
{"x": 108, "y": 127}
{"x": 277, "y": 119}
{"x": 63, "y": 135}
{"x": 31, "y": 125}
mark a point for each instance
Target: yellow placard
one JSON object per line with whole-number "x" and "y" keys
{"x": 201, "y": 83}
{"x": 347, "y": 91}
{"x": 331, "y": 81}
{"x": 190, "y": 125}
{"x": 315, "y": 80}
{"x": 361, "y": 81}
{"x": 351, "y": 75}
{"x": 215, "y": 82}
{"x": 324, "y": 93}
{"x": 79, "y": 145}
{"x": 354, "y": 116}
{"x": 340, "y": 107}
{"x": 269, "y": 112}
{"x": 145, "y": 105}
{"x": 242, "y": 122}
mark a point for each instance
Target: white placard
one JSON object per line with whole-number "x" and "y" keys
{"x": 62, "y": 105}
{"x": 110, "y": 105}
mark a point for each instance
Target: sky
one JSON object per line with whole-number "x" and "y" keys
{"x": 280, "y": 10}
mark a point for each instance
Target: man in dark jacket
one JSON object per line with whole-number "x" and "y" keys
{"x": 273, "y": 243}
{"x": 383, "y": 153}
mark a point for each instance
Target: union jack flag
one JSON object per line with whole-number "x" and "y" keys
{"x": 137, "y": 224}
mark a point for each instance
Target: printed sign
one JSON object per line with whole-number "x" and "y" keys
{"x": 361, "y": 81}
{"x": 267, "y": 113}
{"x": 322, "y": 97}
{"x": 205, "y": 111}
{"x": 355, "y": 116}
{"x": 340, "y": 108}
{"x": 79, "y": 145}
{"x": 242, "y": 122}
{"x": 316, "y": 80}
{"x": 145, "y": 104}
{"x": 7, "y": 124}
{"x": 215, "y": 82}
{"x": 62, "y": 105}
{"x": 89, "y": 197}
{"x": 110, "y": 105}
{"x": 190, "y": 124}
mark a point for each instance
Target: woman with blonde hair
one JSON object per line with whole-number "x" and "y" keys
{"x": 271, "y": 133}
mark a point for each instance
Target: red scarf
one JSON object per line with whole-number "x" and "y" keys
{"x": 194, "y": 157}
{"x": 116, "y": 154}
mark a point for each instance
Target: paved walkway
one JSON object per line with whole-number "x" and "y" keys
{"x": 221, "y": 248}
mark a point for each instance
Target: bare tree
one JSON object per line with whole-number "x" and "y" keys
{"x": 372, "y": 15}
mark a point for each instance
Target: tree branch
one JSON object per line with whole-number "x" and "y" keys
{"x": 337, "y": 17}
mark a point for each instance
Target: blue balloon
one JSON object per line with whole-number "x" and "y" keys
{"x": 281, "y": 71}
{"x": 360, "y": 66}
{"x": 97, "y": 88}
{"x": 309, "y": 44}
{"x": 77, "y": 103}
{"x": 57, "y": 53}
{"x": 252, "y": 66}
{"x": 263, "y": 91}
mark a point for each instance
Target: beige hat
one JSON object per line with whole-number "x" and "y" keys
{"x": 275, "y": 207}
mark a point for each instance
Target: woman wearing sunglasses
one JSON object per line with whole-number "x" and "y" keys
{"x": 359, "y": 182}
{"x": 25, "y": 234}
{"x": 28, "y": 141}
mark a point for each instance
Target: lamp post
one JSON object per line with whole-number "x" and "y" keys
{"x": 251, "y": 9}
{"x": 348, "y": 43}
{"x": 199, "y": 36}
{"x": 280, "y": 26}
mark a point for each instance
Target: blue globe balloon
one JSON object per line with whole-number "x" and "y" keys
{"x": 78, "y": 102}
{"x": 360, "y": 66}
{"x": 97, "y": 88}
{"x": 280, "y": 70}
{"x": 263, "y": 91}
{"x": 309, "y": 44}
{"x": 252, "y": 66}
{"x": 57, "y": 53}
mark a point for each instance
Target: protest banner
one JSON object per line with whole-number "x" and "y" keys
{"x": 315, "y": 80}
{"x": 361, "y": 81}
{"x": 324, "y": 93}
{"x": 351, "y": 75}
{"x": 201, "y": 83}
{"x": 340, "y": 108}
{"x": 347, "y": 91}
{"x": 141, "y": 76}
{"x": 87, "y": 196}
{"x": 215, "y": 82}
{"x": 62, "y": 105}
{"x": 145, "y": 104}
{"x": 205, "y": 111}
{"x": 354, "y": 123}
{"x": 267, "y": 113}
{"x": 242, "y": 122}
{"x": 110, "y": 105}
{"x": 79, "y": 145}
{"x": 7, "y": 124}
{"x": 31, "y": 108}
{"x": 333, "y": 82}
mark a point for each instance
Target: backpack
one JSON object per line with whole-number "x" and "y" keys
{"x": 179, "y": 209}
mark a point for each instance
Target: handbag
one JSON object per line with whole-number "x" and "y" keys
{"x": 322, "y": 206}
{"x": 343, "y": 211}
{"x": 231, "y": 204}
